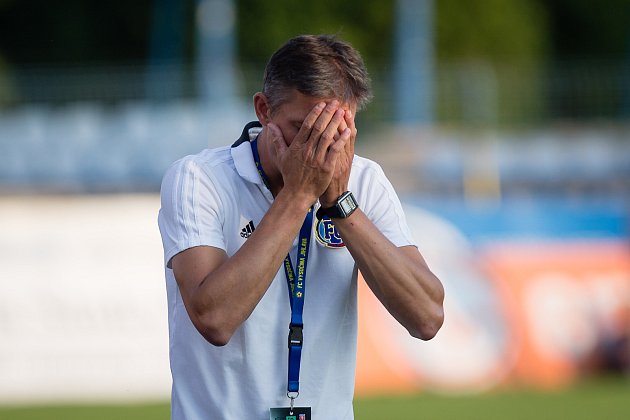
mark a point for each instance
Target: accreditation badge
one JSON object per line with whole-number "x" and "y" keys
{"x": 286, "y": 413}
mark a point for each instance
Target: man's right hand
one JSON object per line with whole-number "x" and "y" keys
{"x": 308, "y": 164}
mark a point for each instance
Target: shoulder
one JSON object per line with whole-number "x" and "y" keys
{"x": 206, "y": 160}
{"x": 364, "y": 169}
{"x": 208, "y": 164}
{"x": 369, "y": 183}
{"x": 206, "y": 173}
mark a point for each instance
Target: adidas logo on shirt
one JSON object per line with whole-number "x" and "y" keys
{"x": 248, "y": 230}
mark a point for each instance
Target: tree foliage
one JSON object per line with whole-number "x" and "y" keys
{"x": 587, "y": 29}
{"x": 120, "y": 31}
{"x": 264, "y": 26}
{"x": 74, "y": 31}
{"x": 490, "y": 29}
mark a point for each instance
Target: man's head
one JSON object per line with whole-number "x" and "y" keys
{"x": 318, "y": 66}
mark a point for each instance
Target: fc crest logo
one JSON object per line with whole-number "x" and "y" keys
{"x": 327, "y": 234}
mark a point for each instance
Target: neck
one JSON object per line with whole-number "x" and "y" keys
{"x": 268, "y": 164}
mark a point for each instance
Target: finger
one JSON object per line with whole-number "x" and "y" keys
{"x": 328, "y": 136}
{"x": 307, "y": 125}
{"x": 340, "y": 144}
{"x": 336, "y": 148}
{"x": 346, "y": 120}
{"x": 279, "y": 143}
{"x": 323, "y": 121}
{"x": 342, "y": 126}
{"x": 349, "y": 120}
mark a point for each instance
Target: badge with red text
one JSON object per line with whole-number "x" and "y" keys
{"x": 286, "y": 413}
{"x": 327, "y": 234}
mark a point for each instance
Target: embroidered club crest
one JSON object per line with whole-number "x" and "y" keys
{"x": 327, "y": 234}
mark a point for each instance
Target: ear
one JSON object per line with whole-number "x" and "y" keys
{"x": 262, "y": 109}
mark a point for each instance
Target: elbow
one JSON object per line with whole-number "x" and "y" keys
{"x": 213, "y": 329}
{"x": 432, "y": 319}
{"x": 427, "y": 327}
{"x": 216, "y": 338}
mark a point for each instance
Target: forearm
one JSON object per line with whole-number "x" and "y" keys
{"x": 226, "y": 296}
{"x": 399, "y": 277}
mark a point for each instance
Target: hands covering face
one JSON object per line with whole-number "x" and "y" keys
{"x": 317, "y": 162}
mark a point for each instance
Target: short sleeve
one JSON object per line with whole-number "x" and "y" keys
{"x": 382, "y": 206}
{"x": 191, "y": 212}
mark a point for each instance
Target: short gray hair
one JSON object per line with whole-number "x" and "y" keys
{"x": 320, "y": 66}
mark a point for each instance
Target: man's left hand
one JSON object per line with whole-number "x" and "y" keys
{"x": 339, "y": 183}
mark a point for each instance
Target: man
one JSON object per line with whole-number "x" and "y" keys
{"x": 237, "y": 223}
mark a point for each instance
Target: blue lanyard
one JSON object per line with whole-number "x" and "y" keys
{"x": 296, "y": 284}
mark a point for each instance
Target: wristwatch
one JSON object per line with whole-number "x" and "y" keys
{"x": 344, "y": 207}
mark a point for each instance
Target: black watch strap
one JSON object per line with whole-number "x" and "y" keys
{"x": 344, "y": 207}
{"x": 332, "y": 212}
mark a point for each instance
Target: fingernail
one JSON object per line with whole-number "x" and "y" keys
{"x": 321, "y": 105}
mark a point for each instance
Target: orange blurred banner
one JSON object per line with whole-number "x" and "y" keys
{"x": 544, "y": 314}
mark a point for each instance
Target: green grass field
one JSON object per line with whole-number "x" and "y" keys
{"x": 602, "y": 399}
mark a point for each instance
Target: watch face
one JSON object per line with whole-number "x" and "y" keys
{"x": 348, "y": 205}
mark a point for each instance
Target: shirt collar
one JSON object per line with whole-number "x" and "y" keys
{"x": 242, "y": 153}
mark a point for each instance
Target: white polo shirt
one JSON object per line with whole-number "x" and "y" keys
{"x": 217, "y": 198}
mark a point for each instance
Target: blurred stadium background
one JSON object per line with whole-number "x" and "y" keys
{"x": 503, "y": 125}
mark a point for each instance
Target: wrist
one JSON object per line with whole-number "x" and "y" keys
{"x": 344, "y": 205}
{"x": 327, "y": 204}
{"x": 329, "y": 199}
{"x": 299, "y": 201}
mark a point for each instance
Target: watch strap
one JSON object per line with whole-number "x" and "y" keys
{"x": 344, "y": 206}
{"x": 332, "y": 212}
